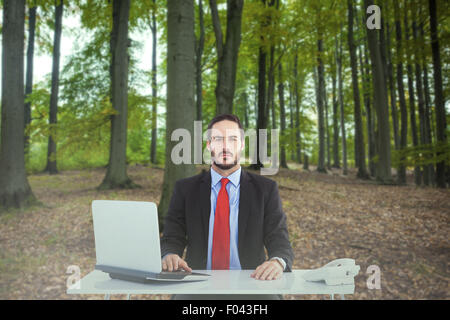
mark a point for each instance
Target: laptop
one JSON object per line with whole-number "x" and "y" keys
{"x": 127, "y": 242}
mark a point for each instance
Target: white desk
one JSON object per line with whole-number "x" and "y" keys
{"x": 221, "y": 282}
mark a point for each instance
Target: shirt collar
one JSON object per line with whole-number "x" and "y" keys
{"x": 234, "y": 178}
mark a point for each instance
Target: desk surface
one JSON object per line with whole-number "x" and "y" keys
{"x": 221, "y": 282}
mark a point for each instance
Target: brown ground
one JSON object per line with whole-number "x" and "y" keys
{"x": 403, "y": 230}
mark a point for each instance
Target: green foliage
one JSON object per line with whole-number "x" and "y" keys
{"x": 84, "y": 111}
{"x": 422, "y": 155}
{"x": 82, "y": 132}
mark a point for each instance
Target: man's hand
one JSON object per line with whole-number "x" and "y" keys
{"x": 269, "y": 270}
{"x": 173, "y": 262}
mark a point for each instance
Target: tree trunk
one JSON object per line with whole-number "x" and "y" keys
{"x": 291, "y": 118}
{"x": 298, "y": 146}
{"x": 306, "y": 163}
{"x": 390, "y": 77}
{"x": 320, "y": 107}
{"x": 283, "y": 162}
{"x": 412, "y": 111}
{"x": 420, "y": 96}
{"x": 154, "y": 88}
{"x": 365, "y": 72}
{"x": 341, "y": 106}
{"x": 51, "y": 151}
{"x": 382, "y": 44}
{"x": 116, "y": 175}
{"x": 335, "y": 117}
{"x": 14, "y": 188}
{"x": 262, "y": 105}
{"x": 401, "y": 175}
{"x": 255, "y": 104}
{"x": 383, "y": 172}
{"x": 327, "y": 129}
{"x": 29, "y": 73}
{"x": 427, "y": 105}
{"x": 200, "y": 44}
{"x": 262, "y": 120}
{"x": 438, "y": 94}
{"x": 246, "y": 122}
{"x": 271, "y": 88}
{"x": 227, "y": 53}
{"x": 359, "y": 137}
{"x": 180, "y": 92}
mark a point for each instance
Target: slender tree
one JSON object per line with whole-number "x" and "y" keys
{"x": 271, "y": 87}
{"x": 154, "y": 86}
{"x": 306, "y": 162}
{"x": 411, "y": 94}
{"x": 320, "y": 106}
{"x": 401, "y": 171}
{"x": 246, "y": 109}
{"x": 227, "y": 53}
{"x": 261, "y": 118}
{"x": 426, "y": 90}
{"x": 383, "y": 56}
{"x": 365, "y": 72}
{"x": 283, "y": 162}
{"x": 359, "y": 138}
{"x": 297, "y": 87}
{"x": 438, "y": 94}
{"x": 14, "y": 188}
{"x": 272, "y": 67}
{"x": 116, "y": 174}
{"x": 327, "y": 129}
{"x": 291, "y": 119}
{"x": 420, "y": 94}
{"x": 29, "y": 72}
{"x": 53, "y": 114}
{"x": 391, "y": 81}
{"x": 199, "y": 47}
{"x": 341, "y": 105}
{"x": 262, "y": 111}
{"x": 336, "y": 160}
{"x": 366, "y": 91}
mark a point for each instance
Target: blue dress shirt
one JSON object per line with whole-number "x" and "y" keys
{"x": 233, "y": 190}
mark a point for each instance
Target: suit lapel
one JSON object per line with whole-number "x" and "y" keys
{"x": 246, "y": 198}
{"x": 205, "y": 205}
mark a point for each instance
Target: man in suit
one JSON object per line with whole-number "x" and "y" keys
{"x": 226, "y": 216}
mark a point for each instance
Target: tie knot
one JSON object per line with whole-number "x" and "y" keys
{"x": 224, "y": 181}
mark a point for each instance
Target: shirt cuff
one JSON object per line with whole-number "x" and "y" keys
{"x": 283, "y": 263}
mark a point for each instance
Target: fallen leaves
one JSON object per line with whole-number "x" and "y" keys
{"x": 404, "y": 230}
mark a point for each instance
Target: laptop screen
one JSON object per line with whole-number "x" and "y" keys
{"x": 127, "y": 234}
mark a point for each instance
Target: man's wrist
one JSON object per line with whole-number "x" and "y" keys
{"x": 280, "y": 261}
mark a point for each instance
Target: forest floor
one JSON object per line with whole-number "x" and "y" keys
{"x": 403, "y": 230}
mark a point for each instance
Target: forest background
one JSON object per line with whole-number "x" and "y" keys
{"x": 92, "y": 90}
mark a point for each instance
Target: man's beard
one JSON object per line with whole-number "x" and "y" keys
{"x": 224, "y": 166}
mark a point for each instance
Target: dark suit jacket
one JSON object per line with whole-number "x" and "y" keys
{"x": 261, "y": 221}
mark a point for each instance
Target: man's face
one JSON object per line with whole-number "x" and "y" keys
{"x": 225, "y": 144}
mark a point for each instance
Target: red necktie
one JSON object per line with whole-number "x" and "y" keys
{"x": 221, "y": 235}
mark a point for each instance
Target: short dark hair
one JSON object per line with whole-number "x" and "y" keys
{"x": 221, "y": 117}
